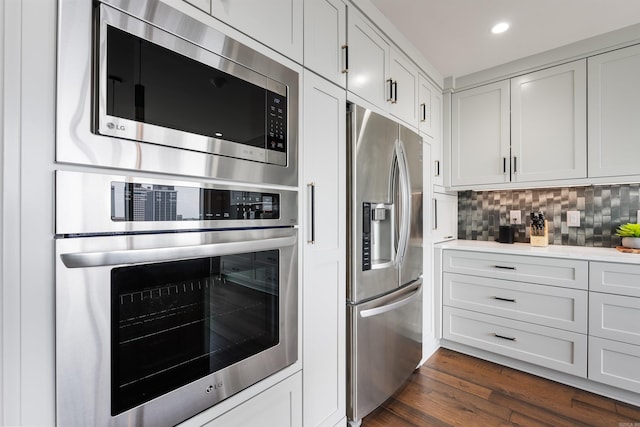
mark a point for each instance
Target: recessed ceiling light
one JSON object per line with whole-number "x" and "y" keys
{"x": 500, "y": 28}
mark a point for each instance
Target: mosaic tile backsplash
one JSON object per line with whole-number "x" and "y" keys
{"x": 602, "y": 210}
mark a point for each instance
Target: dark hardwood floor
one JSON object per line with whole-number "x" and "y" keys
{"x": 452, "y": 389}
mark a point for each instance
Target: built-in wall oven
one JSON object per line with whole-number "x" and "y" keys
{"x": 176, "y": 213}
{"x": 170, "y": 296}
{"x": 143, "y": 86}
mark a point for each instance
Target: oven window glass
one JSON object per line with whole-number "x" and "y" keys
{"x": 175, "y": 322}
{"x": 150, "y": 84}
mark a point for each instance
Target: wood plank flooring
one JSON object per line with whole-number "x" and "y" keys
{"x": 452, "y": 389}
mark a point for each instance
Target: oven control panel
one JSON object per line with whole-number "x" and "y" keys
{"x": 156, "y": 202}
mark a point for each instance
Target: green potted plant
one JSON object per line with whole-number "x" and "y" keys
{"x": 630, "y": 234}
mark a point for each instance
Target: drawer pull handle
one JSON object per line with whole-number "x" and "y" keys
{"x": 505, "y": 299}
{"x": 504, "y": 267}
{"x": 503, "y": 337}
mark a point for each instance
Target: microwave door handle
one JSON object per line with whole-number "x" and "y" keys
{"x": 136, "y": 256}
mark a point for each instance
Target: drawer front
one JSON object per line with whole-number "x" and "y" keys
{"x": 535, "y": 269}
{"x": 545, "y": 305}
{"x": 614, "y": 363}
{"x": 621, "y": 279}
{"x": 552, "y": 348}
{"x": 615, "y": 317}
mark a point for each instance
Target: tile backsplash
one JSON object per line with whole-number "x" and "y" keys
{"x": 602, "y": 210}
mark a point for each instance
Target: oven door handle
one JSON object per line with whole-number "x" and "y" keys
{"x": 137, "y": 256}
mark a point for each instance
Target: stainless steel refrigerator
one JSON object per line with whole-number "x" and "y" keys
{"x": 384, "y": 285}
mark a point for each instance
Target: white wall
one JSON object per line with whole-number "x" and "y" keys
{"x": 28, "y": 95}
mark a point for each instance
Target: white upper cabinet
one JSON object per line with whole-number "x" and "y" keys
{"x": 369, "y": 61}
{"x": 276, "y": 23}
{"x": 325, "y": 39}
{"x": 430, "y": 124}
{"x": 549, "y": 124}
{"x": 614, "y": 113}
{"x": 403, "y": 88}
{"x": 531, "y": 128}
{"x": 480, "y": 135}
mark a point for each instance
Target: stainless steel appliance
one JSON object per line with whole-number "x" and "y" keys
{"x": 143, "y": 86}
{"x": 170, "y": 296}
{"x": 384, "y": 287}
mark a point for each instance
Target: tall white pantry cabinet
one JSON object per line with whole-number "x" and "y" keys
{"x": 324, "y": 265}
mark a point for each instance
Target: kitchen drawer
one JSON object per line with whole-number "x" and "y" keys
{"x": 612, "y": 278}
{"x": 549, "y": 347}
{"x": 544, "y": 305}
{"x": 614, "y": 363}
{"x": 535, "y": 269}
{"x": 615, "y": 317}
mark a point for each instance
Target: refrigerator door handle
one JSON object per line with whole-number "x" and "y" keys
{"x": 390, "y": 306}
{"x": 404, "y": 198}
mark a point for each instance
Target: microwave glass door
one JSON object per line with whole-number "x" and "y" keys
{"x": 176, "y": 322}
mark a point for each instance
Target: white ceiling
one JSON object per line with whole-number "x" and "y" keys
{"x": 454, "y": 35}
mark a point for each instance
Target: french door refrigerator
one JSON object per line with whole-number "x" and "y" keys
{"x": 384, "y": 286}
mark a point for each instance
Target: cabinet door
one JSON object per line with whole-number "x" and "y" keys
{"x": 480, "y": 135}
{"x": 425, "y": 94}
{"x": 325, "y": 37}
{"x": 276, "y": 23}
{"x": 403, "y": 78}
{"x": 430, "y": 119}
{"x": 277, "y": 406}
{"x": 445, "y": 217}
{"x": 614, "y": 109}
{"x": 368, "y": 60}
{"x": 324, "y": 285}
{"x": 548, "y": 124}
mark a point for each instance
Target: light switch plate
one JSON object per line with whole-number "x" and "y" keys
{"x": 638, "y": 217}
{"x": 573, "y": 218}
{"x": 515, "y": 217}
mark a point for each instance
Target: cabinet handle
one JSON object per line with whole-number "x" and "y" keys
{"x": 504, "y": 337}
{"x": 504, "y": 267}
{"x": 395, "y": 92}
{"x": 312, "y": 212}
{"x": 515, "y": 164}
{"x": 435, "y": 214}
{"x": 505, "y": 299}
{"x": 437, "y": 167}
{"x": 390, "y": 98}
{"x": 423, "y": 106}
{"x": 345, "y": 50}
{"x": 504, "y": 165}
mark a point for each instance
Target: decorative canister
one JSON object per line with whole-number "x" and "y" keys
{"x": 539, "y": 233}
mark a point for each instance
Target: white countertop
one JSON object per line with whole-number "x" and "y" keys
{"x": 552, "y": 251}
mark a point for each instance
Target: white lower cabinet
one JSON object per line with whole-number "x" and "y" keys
{"x": 533, "y": 309}
{"x": 614, "y": 363}
{"x": 278, "y": 406}
{"x": 566, "y": 315}
{"x": 324, "y": 258}
{"x": 614, "y": 325}
{"x": 544, "y": 305}
{"x": 549, "y": 347}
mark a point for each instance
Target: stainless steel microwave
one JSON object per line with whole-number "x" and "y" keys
{"x": 144, "y": 86}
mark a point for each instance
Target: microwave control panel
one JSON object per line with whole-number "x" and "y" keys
{"x": 276, "y": 122}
